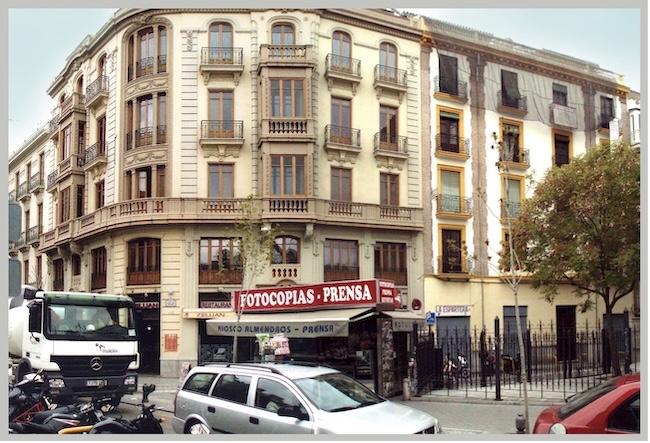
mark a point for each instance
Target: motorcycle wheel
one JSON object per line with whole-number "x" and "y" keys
{"x": 464, "y": 373}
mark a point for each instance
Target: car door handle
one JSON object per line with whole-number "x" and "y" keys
{"x": 211, "y": 409}
{"x": 254, "y": 420}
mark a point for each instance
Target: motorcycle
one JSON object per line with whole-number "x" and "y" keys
{"x": 458, "y": 368}
{"x": 29, "y": 397}
{"x": 80, "y": 417}
{"x": 144, "y": 423}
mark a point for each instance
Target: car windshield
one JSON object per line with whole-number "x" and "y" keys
{"x": 90, "y": 322}
{"x": 337, "y": 392}
{"x": 582, "y": 399}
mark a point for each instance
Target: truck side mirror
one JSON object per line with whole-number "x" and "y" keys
{"x": 35, "y": 317}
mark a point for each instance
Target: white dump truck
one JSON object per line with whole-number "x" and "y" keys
{"x": 85, "y": 343}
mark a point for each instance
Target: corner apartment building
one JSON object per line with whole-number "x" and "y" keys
{"x": 166, "y": 120}
{"x": 546, "y": 108}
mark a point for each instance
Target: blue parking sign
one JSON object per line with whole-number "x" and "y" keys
{"x": 431, "y": 318}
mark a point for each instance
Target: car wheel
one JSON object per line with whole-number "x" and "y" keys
{"x": 197, "y": 428}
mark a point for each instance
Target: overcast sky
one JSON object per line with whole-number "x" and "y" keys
{"x": 41, "y": 39}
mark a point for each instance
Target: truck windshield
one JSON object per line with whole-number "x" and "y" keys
{"x": 90, "y": 322}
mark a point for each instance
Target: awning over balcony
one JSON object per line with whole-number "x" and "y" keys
{"x": 312, "y": 324}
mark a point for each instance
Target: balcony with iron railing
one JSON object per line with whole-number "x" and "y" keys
{"x": 76, "y": 102}
{"x": 74, "y": 163}
{"x": 144, "y": 66}
{"x": 517, "y": 106}
{"x": 218, "y": 62}
{"x": 342, "y": 142}
{"x": 23, "y": 191}
{"x": 518, "y": 159}
{"x": 400, "y": 278}
{"x": 169, "y": 210}
{"x": 222, "y": 137}
{"x": 143, "y": 275}
{"x": 390, "y": 79}
{"x": 33, "y": 234}
{"x": 510, "y": 210}
{"x": 450, "y": 89}
{"x": 97, "y": 92}
{"x": 288, "y": 129}
{"x": 209, "y": 276}
{"x": 97, "y": 281}
{"x": 389, "y": 149}
{"x": 52, "y": 180}
{"x": 53, "y": 127}
{"x": 453, "y": 206}
{"x": 286, "y": 55}
{"x": 344, "y": 70}
{"x": 161, "y": 134}
{"x": 96, "y": 155}
{"x": 453, "y": 266}
{"x": 162, "y": 63}
{"x": 20, "y": 241}
{"x": 36, "y": 183}
{"x": 12, "y": 196}
{"x": 452, "y": 146}
{"x": 340, "y": 273}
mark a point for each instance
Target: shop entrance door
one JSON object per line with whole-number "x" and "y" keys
{"x": 147, "y": 323}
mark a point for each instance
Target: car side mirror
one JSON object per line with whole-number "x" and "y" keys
{"x": 35, "y": 317}
{"x": 292, "y": 411}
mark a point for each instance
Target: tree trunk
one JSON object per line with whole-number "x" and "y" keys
{"x": 611, "y": 341}
{"x": 234, "y": 338}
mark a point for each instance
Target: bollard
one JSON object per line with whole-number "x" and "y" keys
{"x": 406, "y": 389}
{"x": 520, "y": 424}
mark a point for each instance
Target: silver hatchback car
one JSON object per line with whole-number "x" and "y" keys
{"x": 288, "y": 398}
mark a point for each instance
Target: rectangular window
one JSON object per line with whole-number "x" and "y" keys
{"x": 39, "y": 271}
{"x": 221, "y": 181}
{"x": 288, "y": 174}
{"x": 389, "y": 189}
{"x": 450, "y": 195}
{"x": 220, "y": 261}
{"x": 41, "y": 166}
{"x": 511, "y": 135}
{"x": 560, "y": 94}
{"x": 390, "y": 262}
{"x": 287, "y": 98}
{"x": 27, "y": 223}
{"x": 388, "y": 127}
{"x": 29, "y": 171}
{"x": 26, "y": 272}
{"x": 59, "y": 273}
{"x": 160, "y": 172}
{"x": 143, "y": 177}
{"x": 606, "y": 111}
{"x": 98, "y": 270}
{"x": 99, "y": 194}
{"x": 340, "y": 129}
{"x": 76, "y": 264}
{"x": 562, "y": 152}
{"x": 81, "y": 141}
{"x": 448, "y": 74}
{"x": 64, "y": 205}
{"x": 513, "y": 197}
{"x": 509, "y": 89}
{"x": 341, "y": 259}
{"x": 66, "y": 142}
{"x": 145, "y": 124}
{"x": 144, "y": 255}
{"x": 449, "y": 131}
{"x": 220, "y": 106}
{"x": 162, "y": 118}
{"x": 452, "y": 252}
{"x": 341, "y": 184}
{"x": 40, "y": 217}
{"x": 80, "y": 200}
{"x": 101, "y": 134}
{"x": 129, "y": 185}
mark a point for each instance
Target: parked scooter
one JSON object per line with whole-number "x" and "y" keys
{"x": 80, "y": 416}
{"x": 458, "y": 368}
{"x": 29, "y": 397}
{"x": 145, "y": 423}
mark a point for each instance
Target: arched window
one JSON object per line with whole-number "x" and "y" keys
{"x": 146, "y": 48}
{"x": 162, "y": 49}
{"x": 101, "y": 66}
{"x": 79, "y": 86}
{"x": 341, "y": 50}
{"x": 221, "y": 42}
{"x": 388, "y": 61}
{"x": 283, "y": 34}
{"x": 286, "y": 250}
{"x": 62, "y": 98}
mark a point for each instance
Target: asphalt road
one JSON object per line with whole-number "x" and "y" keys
{"x": 455, "y": 418}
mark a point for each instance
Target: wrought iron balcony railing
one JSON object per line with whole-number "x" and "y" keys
{"x": 221, "y": 56}
{"x": 390, "y": 74}
{"x": 453, "y": 204}
{"x": 144, "y": 67}
{"x": 162, "y": 64}
{"x": 518, "y": 156}
{"x": 510, "y": 209}
{"x": 35, "y": 182}
{"x": 340, "y": 64}
{"x": 161, "y": 134}
{"x": 23, "y": 190}
{"x": 95, "y": 151}
{"x": 395, "y": 143}
{"x": 229, "y": 129}
{"x": 100, "y": 85}
{"x": 452, "y": 87}
{"x": 33, "y": 234}
{"x": 454, "y": 263}
{"x": 143, "y": 136}
{"x": 519, "y": 103}
{"x": 452, "y": 144}
{"x": 343, "y": 135}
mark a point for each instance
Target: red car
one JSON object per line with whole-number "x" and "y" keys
{"x": 612, "y": 407}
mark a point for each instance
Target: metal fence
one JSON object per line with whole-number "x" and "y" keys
{"x": 559, "y": 360}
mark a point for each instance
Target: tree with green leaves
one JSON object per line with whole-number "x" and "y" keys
{"x": 582, "y": 227}
{"x": 255, "y": 241}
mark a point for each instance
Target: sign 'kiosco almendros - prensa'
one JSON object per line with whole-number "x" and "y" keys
{"x": 340, "y": 294}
